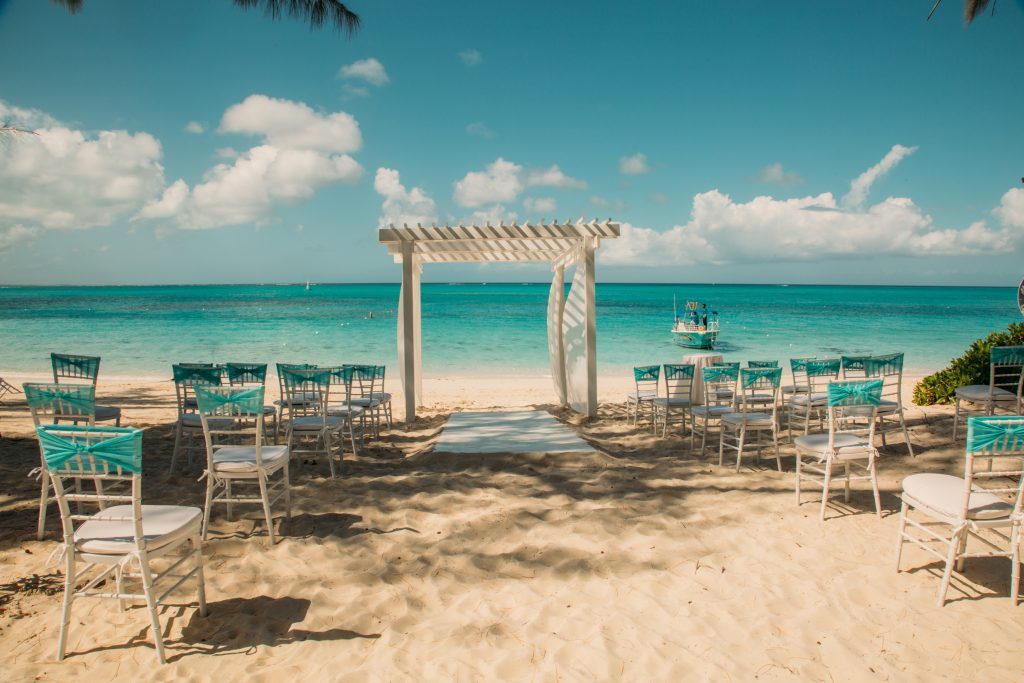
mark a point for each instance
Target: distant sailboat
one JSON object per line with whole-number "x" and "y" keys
{"x": 307, "y": 285}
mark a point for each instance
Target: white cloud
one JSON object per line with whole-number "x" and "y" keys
{"x": 479, "y": 130}
{"x": 1011, "y": 208}
{"x": 860, "y": 186}
{"x": 504, "y": 181}
{"x": 659, "y": 198}
{"x": 402, "y": 206}
{"x": 226, "y": 152}
{"x": 369, "y": 70}
{"x": 62, "y": 178}
{"x": 634, "y": 165}
{"x": 471, "y": 57}
{"x": 774, "y": 174}
{"x": 491, "y": 215}
{"x": 356, "y": 90}
{"x": 195, "y": 128}
{"x": 11, "y": 235}
{"x": 302, "y": 151}
{"x": 285, "y": 123}
{"x": 544, "y": 205}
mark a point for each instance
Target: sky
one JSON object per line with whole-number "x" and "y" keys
{"x": 190, "y": 141}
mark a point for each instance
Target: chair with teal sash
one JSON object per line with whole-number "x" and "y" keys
{"x": 888, "y": 368}
{"x": 810, "y": 401}
{"x": 646, "y": 379}
{"x": 236, "y": 414}
{"x": 984, "y": 505}
{"x": 71, "y": 369}
{"x": 119, "y": 544}
{"x": 1003, "y": 391}
{"x": 756, "y": 425}
{"x": 189, "y": 427}
{"x": 678, "y": 395}
{"x": 719, "y": 396}
{"x": 282, "y": 405}
{"x": 312, "y": 431}
{"x": 50, "y": 404}
{"x": 853, "y": 366}
{"x": 252, "y": 375}
{"x": 762, "y": 363}
{"x": 848, "y": 444}
{"x": 366, "y": 390}
{"x": 342, "y": 404}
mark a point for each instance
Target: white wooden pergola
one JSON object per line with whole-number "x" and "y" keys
{"x": 572, "y": 336}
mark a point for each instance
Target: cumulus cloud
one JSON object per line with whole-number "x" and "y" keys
{"x": 860, "y": 186}
{"x": 634, "y": 165}
{"x": 369, "y": 70}
{"x": 491, "y": 215}
{"x": 540, "y": 205}
{"x": 11, "y": 235}
{"x": 471, "y": 57}
{"x": 765, "y": 229}
{"x": 402, "y": 206}
{"x": 195, "y": 128}
{"x": 503, "y": 181}
{"x": 480, "y": 130}
{"x": 62, "y": 178}
{"x": 302, "y": 151}
{"x": 774, "y": 174}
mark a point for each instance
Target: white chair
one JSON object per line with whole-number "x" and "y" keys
{"x": 82, "y": 369}
{"x": 678, "y": 395}
{"x": 236, "y": 413}
{"x": 253, "y": 375}
{"x": 811, "y": 400}
{"x": 341, "y": 378}
{"x": 123, "y": 541}
{"x": 719, "y": 396}
{"x": 365, "y": 390}
{"x": 189, "y": 427}
{"x": 797, "y": 367}
{"x": 309, "y": 419}
{"x": 888, "y": 368}
{"x": 282, "y": 405}
{"x": 1003, "y": 391}
{"x": 984, "y": 504}
{"x": 647, "y": 379}
{"x": 758, "y": 416}
{"x": 844, "y": 446}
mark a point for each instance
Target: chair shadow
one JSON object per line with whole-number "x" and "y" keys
{"x": 328, "y": 524}
{"x": 989, "y": 574}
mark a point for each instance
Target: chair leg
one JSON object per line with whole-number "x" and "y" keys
{"x": 266, "y": 507}
{"x": 44, "y": 500}
{"x": 119, "y": 582}
{"x": 208, "y": 508}
{"x": 874, "y": 487}
{"x": 1015, "y": 564}
{"x": 846, "y": 489}
{"x": 798, "y": 475}
{"x": 956, "y": 417}
{"x": 778, "y": 457}
{"x": 227, "y": 492}
{"x": 900, "y": 538}
{"x": 287, "y": 493}
{"x": 177, "y": 444}
{"x": 197, "y": 548}
{"x": 69, "y": 596}
{"x": 327, "y": 449}
{"x": 961, "y": 549}
{"x": 825, "y": 486}
{"x": 948, "y": 572}
{"x": 906, "y": 435}
{"x": 147, "y": 585}
{"x": 739, "y": 446}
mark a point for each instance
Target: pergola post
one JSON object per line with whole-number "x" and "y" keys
{"x": 589, "y": 247}
{"x": 556, "y": 340}
{"x": 410, "y": 302}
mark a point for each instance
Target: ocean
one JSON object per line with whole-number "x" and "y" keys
{"x": 475, "y": 329}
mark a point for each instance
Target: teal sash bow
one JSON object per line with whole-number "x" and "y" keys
{"x": 197, "y": 375}
{"x": 86, "y": 366}
{"x": 820, "y": 368}
{"x": 247, "y": 401}
{"x": 855, "y": 393}
{"x": 123, "y": 450}
{"x": 82, "y": 398}
{"x": 648, "y": 373}
{"x": 678, "y": 371}
{"x": 752, "y": 376}
{"x": 246, "y": 372}
{"x": 720, "y": 373}
{"x": 985, "y": 432}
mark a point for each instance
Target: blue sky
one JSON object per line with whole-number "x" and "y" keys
{"x": 190, "y": 141}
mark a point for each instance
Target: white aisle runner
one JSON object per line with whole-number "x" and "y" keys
{"x": 519, "y": 431}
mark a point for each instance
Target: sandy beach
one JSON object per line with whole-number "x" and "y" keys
{"x": 640, "y": 562}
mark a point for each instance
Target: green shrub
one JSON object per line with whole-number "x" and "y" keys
{"x": 970, "y": 368}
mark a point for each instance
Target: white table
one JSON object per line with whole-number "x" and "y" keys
{"x": 700, "y": 359}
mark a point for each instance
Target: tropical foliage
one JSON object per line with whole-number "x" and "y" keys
{"x": 970, "y": 368}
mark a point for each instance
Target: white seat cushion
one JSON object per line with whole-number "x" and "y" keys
{"x": 794, "y": 389}
{"x": 107, "y": 413}
{"x": 884, "y": 408}
{"x": 162, "y": 525}
{"x": 979, "y": 392}
{"x": 711, "y": 411}
{"x": 299, "y": 399}
{"x": 345, "y": 410}
{"x": 382, "y": 396}
{"x": 674, "y": 402}
{"x": 193, "y": 420}
{"x": 243, "y": 458}
{"x": 848, "y": 446}
{"x": 945, "y": 494}
{"x": 366, "y": 402}
{"x": 752, "y": 419}
{"x": 313, "y": 423}
{"x": 818, "y": 398}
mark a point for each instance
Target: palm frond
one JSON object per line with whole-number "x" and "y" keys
{"x": 972, "y": 8}
{"x": 316, "y": 12}
{"x": 72, "y": 5}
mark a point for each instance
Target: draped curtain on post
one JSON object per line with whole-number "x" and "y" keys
{"x": 572, "y": 335}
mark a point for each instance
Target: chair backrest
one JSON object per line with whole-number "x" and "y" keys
{"x": 730, "y": 364}
{"x": 306, "y": 391}
{"x": 244, "y": 374}
{"x": 187, "y": 377}
{"x": 365, "y": 380}
{"x": 797, "y": 369}
{"x": 864, "y": 395}
{"x": 820, "y": 372}
{"x": 719, "y": 384}
{"x": 762, "y": 363}
{"x": 679, "y": 380}
{"x": 995, "y": 459}
{"x": 1006, "y": 366}
{"x": 853, "y": 366}
{"x": 282, "y": 367}
{"x": 647, "y": 379}
{"x": 231, "y": 412}
{"x": 78, "y": 368}
{"x": 758, "y": 386}
{"x": 341, "y": 377}
{"x": 100, "y": 454}
{"x": 890, "y": 369}
{"x": 53, "y": 402}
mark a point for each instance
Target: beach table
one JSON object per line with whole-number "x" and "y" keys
{"x": 700, "y": 360}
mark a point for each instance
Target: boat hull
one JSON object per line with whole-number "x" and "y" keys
{"x": 695, "y": 340}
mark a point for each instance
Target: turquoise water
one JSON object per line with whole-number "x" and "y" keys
{"x": 477, "y": 328}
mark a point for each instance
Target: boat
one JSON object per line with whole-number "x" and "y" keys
{"x": 307, "y": 285}
{"x": 696, "y": 326}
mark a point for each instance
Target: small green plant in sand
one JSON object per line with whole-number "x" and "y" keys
{"x": 970, "y": 368}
